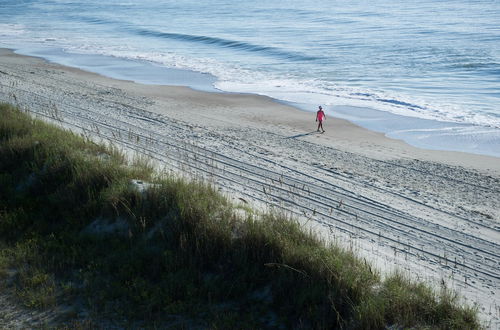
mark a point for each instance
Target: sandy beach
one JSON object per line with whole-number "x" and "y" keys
{"x": 433, "y": 214}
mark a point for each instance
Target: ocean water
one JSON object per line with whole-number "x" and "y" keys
{"x": 426, "y": 71}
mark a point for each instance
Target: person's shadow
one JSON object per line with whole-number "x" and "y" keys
{"x": 301, "y": 135}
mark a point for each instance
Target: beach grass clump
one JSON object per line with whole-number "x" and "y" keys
{"x": 408, "y": 302}
{"x": 82, "y": 226}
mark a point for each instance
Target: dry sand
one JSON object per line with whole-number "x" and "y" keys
{"x": 433, "y": 214}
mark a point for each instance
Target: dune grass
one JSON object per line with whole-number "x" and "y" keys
{"x": 76, "y": 232}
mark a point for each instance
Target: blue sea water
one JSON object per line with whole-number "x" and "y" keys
{"x": 425, "y": 71}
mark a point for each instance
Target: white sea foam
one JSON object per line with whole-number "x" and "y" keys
{"x": 232, "y": 78}
{"x": 11, "y": 30}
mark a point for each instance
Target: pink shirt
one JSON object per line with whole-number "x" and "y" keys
{"x": 320, "y": 115}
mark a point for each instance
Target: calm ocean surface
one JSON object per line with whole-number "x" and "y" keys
{"x": 426, "y": 71}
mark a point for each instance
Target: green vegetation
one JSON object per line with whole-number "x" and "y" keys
{"x": 74, "y": 231}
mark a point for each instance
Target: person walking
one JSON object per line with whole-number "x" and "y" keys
{"x": 320, "y": 116}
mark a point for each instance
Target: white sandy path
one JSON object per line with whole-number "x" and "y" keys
{"x": 433, "y": 214}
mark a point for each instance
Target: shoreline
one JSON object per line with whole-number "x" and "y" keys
{"x": 201, "y": 83}
{"x": 420, "y": 133}
{"x": 398, "y": 206}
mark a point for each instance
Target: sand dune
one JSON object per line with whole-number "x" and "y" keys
{"x": 434, "y": 214}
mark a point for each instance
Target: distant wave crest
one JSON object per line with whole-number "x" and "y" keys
{"x": 238, "y": 45}
{"x": 208, "y": 40}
